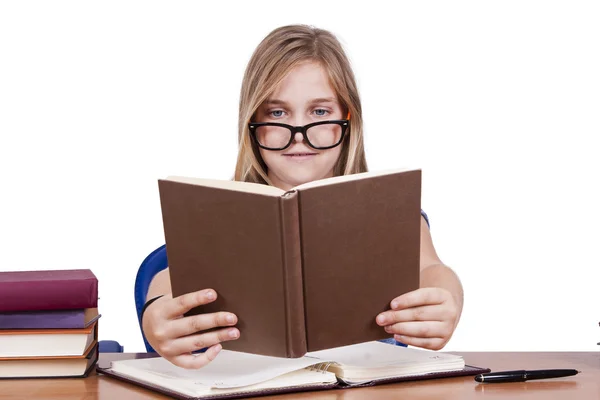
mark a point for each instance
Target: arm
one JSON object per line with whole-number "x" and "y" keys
{"x": 428, "y": 316}
{"x": 160, "y": 285}
{"x": 434, "y": 273}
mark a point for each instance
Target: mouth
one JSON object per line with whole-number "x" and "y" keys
{"x": 304, "y": 156}
{"x": 295, "y": 155}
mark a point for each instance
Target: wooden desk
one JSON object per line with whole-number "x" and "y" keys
{"x": 581, "y": 387}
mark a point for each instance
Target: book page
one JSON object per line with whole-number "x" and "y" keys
{"x": 371, "y": 361}
{"x": 377, "y": 354}
{"x": 229, "y": 370}
{"x": 238, "y": 186}
{"x": 274, "y": 191}
{"x": 192, "y": 388}
{"x": 353, "y": 177}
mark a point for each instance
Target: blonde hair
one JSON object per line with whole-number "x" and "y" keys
{"x": 278, "y": 53}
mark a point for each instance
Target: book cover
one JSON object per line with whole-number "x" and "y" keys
{"x": 232, "y": 241}
{"x": 48, "y": 290}
{"x": 303, "y": 270}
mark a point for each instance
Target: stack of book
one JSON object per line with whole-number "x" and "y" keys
{"x": 48, "y": 323}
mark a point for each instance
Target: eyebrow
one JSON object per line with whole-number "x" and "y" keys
{"x": 323, "y": 100}
{"x": 272, "y": 102}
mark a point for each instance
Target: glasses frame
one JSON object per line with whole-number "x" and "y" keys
{"x": 343, "y": 123}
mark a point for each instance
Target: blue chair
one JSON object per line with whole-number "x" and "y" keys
{"x": 152, "y": 264}
{"x": 109, "y": 346}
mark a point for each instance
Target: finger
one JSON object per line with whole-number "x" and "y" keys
{"x": 423, "y": 313}
{"x": 429, "y": 329}
{"x": 431, "y": 344}
{"x": 200, "y": 341}
{"x": 199, "y": 360}
{"x": 202, "y": 322}
{"x": 182, "y": 304}
{"x": 419, "y": 297}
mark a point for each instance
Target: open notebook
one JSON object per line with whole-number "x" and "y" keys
{"x": 235, "y": 375}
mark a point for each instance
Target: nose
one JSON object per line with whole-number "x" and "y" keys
{"x": 298, "y": 137}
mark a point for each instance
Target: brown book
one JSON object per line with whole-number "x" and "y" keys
{"x": 236, "y": 375}
{"x": 304, "y": 269}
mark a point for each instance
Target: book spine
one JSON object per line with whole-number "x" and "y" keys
{"x": 49, "y": 295}
{"x": 63, "y": 319}
{"x": 292, "y": 275}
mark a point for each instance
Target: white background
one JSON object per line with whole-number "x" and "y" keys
{"x": 498, "y": 103}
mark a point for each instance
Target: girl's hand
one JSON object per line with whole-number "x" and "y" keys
{"x": 175, "y": 337}
{"x": 425, "y": 318}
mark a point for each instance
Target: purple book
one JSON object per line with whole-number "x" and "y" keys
{"x": 49, "y": 319}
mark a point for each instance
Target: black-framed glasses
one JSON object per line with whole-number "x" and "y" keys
{"x": 320, "y": 135}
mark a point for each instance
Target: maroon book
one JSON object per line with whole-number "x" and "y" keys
{"x": 48, "y": 290}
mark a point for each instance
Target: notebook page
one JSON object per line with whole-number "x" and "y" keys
{"x": 189, "y": 387}
{"x": 229, "y": 369}
{"x": 377, "y": 355}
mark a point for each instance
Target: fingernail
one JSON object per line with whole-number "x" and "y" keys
{"x": 230, "y": 318}
{"x": 387, "y": 328}
{"x": 394, "y": 304}
{"x": 218, "y": 348}
{"x": 381, "y": 319}
{"x": 233, "y": 333}
{"x": 210, "y": 295}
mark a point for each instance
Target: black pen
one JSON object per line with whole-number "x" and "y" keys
{"x": 522, "y": 375}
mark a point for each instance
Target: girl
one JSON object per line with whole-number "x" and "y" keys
{"x": 297, "y": 76}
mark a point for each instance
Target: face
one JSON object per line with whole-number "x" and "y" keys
{"x": 303, "y": 97}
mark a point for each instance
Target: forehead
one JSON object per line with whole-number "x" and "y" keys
{"x": 303, "y": 83}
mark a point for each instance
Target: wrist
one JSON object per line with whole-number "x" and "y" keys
{"x": 146, "y": 305}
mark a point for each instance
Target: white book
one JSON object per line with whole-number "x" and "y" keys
{"x": 46, "y": 342}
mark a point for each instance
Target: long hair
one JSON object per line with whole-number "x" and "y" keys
{"x": 278, "y": 53}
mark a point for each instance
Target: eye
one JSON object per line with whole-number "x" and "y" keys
{"x": 276, "y": 113}
{"x": 320, "y": 112}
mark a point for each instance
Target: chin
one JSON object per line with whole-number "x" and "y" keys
{"x": 298, "y": 178}
{"x": 301, "y": 179}
{"x": 298, "y": 174}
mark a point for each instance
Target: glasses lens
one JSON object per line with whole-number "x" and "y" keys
{"x": 274, "y": 137}
{"x": 324, "y": 135}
